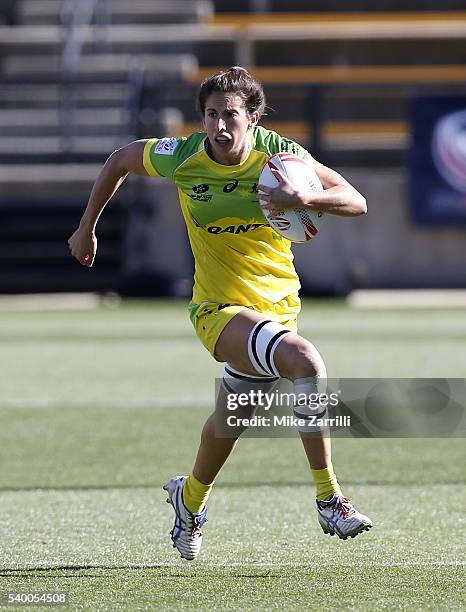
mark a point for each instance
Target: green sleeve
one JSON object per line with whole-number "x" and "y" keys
{"x": 163, "y": 155}
{"x": 285, "y": 145}
{"x": 275, "y": 143}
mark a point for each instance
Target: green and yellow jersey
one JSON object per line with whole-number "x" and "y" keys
{"x": 239, "y": 258}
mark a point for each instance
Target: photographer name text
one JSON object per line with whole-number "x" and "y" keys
{"x": 288, "y": 421}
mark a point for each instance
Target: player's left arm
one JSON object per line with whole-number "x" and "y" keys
{"x": 338, "y": 197}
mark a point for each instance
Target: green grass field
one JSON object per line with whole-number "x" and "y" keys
{"x": 98, "y": 408}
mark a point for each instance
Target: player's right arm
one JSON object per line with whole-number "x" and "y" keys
{"x": 83, "y": 242}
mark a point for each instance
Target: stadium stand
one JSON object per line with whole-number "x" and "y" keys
{"x": 81, "y": 78}
{"x": 68, "y": 97}
{"x": 315, "y": 65}
{"x": 32, "y": 12}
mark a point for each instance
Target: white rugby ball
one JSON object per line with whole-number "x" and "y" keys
{"x": 297, "y": 224}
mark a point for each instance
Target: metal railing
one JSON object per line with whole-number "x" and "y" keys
{"x": 135, "y": 90}
{"x": 76, "y": 17}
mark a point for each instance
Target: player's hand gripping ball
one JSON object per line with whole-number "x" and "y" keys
{"x": 296, "y": 224}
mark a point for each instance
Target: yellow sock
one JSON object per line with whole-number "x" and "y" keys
{"x": 326, "y": 482}
{"x": 195, "y": 494}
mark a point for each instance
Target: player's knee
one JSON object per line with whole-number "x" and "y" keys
{"x": 306, "y": 361}
{"x": 275, "y": 351}
{"x": 300, "y": 359}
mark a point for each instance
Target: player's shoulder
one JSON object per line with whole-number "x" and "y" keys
{"x": 180, "y": 147}
{"x": 270, "y": 142}
{"x": 162, "y": 156}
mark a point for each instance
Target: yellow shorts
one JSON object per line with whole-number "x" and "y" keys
{"x": 209, "y": 318}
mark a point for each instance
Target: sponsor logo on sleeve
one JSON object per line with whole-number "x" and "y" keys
{"x": 289, "y": 146}
{"x": 166, "y": 146}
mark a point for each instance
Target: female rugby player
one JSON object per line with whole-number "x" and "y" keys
{"x": 245, "y": 297}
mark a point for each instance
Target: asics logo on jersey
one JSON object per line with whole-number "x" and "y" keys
{"x": 228, "y": 188}
{"x": 231, "y": 186}
{"x": 235, "y": 229}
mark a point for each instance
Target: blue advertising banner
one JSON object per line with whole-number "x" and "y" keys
{"x": 437, "y": 161}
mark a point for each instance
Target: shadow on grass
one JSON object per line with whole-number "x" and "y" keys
{"x": 51, "y": 571}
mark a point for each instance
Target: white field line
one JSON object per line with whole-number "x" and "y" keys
{"x": 157, "y": 404}
{"x": 409, "y": 298}
{"x": 51, "y": 301}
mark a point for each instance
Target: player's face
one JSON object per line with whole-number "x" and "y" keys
{"x": 228, "y": 126}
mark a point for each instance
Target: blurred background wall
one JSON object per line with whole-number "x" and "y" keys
{"x": 376, "y": 90}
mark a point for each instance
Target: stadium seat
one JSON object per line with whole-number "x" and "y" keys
{"x": 32, "y": 12}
